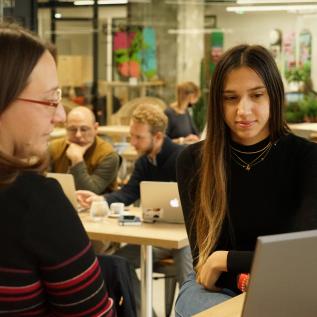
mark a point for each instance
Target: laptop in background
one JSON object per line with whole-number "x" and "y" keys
{"x": 162, "y": 196}
{"x": 68, "y": 185}
{"x": 283, "y": 276}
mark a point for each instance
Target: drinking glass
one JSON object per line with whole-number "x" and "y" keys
{"x": 99, "y": 210}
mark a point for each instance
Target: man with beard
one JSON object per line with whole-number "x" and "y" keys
{"x": 156, "y": 163}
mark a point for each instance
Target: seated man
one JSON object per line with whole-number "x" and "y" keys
{"x": 157, "y": 163}
{"x": 92, "y": 161}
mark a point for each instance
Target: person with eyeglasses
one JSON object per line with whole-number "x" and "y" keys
{"x": 91, "y": 160}
{"x": 157, "y": 162}
{"x": 47, "y": 265}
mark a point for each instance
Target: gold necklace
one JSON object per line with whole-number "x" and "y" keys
{"x": 247, "y": 166}
{"x": 254, "y": 152}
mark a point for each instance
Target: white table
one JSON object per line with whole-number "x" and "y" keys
{"x": 305, "y": 129}
{"x": 147, "y": 235}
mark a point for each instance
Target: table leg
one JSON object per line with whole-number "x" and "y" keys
{"x": 146, "y": 280}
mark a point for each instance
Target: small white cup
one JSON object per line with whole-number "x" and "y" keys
{"x": 98, "y": 210}
{"x": 117, "y": 208}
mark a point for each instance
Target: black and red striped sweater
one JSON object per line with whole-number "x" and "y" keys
{"x": 47, "y": 266}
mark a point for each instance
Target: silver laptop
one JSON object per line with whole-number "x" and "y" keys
{"x": 163, "y": 199}
{"x": 68, "y": 185}
{"x": 283, "y": 279}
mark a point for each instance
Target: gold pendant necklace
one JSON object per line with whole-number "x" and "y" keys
{"x": 248, "y": 165}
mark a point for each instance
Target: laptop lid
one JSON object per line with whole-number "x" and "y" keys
{"x": 283, "y": 276}
{"x": 163, "y": 196}
{"x": 68, "y": 185}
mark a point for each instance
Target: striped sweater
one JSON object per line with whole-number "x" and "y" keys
{"x": 47, "y": 266}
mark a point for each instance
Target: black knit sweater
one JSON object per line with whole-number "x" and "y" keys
{"x": 277, "y": 195}
{"x": 47, "y": 265}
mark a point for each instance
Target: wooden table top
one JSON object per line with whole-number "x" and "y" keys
{"x": 164, "y": 235}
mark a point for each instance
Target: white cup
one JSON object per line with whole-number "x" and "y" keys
{"x": 117, "y": 208}
{"x": 98, "y": 210}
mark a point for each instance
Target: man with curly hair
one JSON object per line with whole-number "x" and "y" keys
{"x": 156, "y": 163}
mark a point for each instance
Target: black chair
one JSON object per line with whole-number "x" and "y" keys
{"x": 118, "y": 277}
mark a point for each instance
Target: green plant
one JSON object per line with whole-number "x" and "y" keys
{"x": 293, "y": 113}
{"x": 298, "y": 74}
{"x": 308, "y": 107}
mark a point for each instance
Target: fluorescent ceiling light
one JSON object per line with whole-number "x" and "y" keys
{"x": 197, "y": 31}
{"x": 272, "y": 8}
{"x": 91, "y": 2}
{"x": 58, "y": 15}
{"x": 274, "y": 1}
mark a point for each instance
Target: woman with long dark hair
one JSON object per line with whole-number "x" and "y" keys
{"x": 47, "y": 266}
{"x": 250, "y": 177}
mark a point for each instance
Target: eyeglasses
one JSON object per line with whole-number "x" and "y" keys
{"x": 56, "y": 99}
{"x": 82, "y": 129}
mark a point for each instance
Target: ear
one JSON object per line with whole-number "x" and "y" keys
{"x": 96, "y": 125}
{"x": 159, "y": 136}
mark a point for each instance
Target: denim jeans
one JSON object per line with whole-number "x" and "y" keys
{"x": 194, "y": 298}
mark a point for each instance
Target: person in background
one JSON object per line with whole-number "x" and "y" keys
{"x": 47, "y": 264}
{"x": 250, "y": 177}
{"x": 91, "y": 160}
{"x": 157, "y": 163}
{"x": 181, "y": 128}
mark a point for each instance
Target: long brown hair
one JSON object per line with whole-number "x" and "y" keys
{"x": 183, "y": 90}
{"x": 211, "y": 203}
{"x": 20, "y": 51}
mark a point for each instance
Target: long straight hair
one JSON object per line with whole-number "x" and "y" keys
{"x": 20, "y": 51}
{"x": 183, "y": 90}
{"x": 211, "y": 200}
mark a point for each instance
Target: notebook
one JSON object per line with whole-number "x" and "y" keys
{"x": 283, "y": 276}
{"x": 161, "y": 199}
{"x": 68, "y": 185}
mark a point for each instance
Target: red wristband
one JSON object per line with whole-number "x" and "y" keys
{"x": 243, "y": 280}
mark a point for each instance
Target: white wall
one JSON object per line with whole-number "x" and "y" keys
{"x": 255, "y": 28}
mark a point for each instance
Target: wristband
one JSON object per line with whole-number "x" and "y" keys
{"x": 243, "y": 280}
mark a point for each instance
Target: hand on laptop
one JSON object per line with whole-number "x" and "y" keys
{"x": 211, "y": 270}
{"x": 85, "y": 197}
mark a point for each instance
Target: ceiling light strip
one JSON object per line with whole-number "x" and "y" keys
{"x": 272, "y": 8}
{"x": 91, "y": 2}
{"x": 274, "y": 1}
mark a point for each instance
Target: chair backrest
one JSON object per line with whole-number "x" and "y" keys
{"x": 117, "y": 273}
{"x": 123, "y": 116}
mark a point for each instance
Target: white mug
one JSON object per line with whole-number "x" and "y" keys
{"x": 117, "y": 208}
{"x": 98, "y": 210}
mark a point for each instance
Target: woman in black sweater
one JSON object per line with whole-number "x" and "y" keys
{"x": 181, "y": 127}
{"x": 250, "y": 177}
{"x": 47, "y": 266}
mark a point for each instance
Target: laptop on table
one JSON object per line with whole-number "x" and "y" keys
{"x": 68, "y": 185}
{"x": 283, "y": 280}
{"x": 161, "y": 199}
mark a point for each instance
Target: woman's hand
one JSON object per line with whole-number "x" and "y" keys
{"x": 211, "y": 270}
{"x": 191, "y": 138}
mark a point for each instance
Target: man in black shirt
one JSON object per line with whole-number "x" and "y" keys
{"x": 157, "y": 163}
